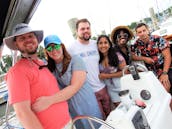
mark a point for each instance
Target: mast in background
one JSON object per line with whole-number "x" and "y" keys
{"x": 154, "y": 19}
{"x": 72, "y": 26}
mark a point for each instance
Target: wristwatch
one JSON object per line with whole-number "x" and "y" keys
{"x": 164, "y": 72}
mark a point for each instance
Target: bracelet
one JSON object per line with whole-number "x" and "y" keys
{"x": 164, "y": 72}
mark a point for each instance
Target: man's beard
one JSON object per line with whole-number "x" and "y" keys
{"x": 85, "y": 38}
{"x": 145, "y": 39}
{"x": 29, "y": 52}
{"x": 32, "y": 52}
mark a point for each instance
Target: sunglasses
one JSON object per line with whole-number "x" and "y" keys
{"x": 51, "y": 48}
{"x": 125, "y": 35}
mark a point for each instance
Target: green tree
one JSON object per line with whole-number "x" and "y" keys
{"x": 133, "y": 25}
{"x": 6, "y": 60}
{"x": 41, "y": 52}
{"x": 147, "y": 20}
{"x": 6, "y": 63}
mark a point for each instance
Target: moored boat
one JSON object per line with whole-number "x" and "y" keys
{"x": 3, "y": 90}
{"x": 3, "y": 95}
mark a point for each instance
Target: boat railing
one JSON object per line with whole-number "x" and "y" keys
{"x": 8, "y": 115}
{"x": 2, "y": 79}
{"x": 90, "y": 121}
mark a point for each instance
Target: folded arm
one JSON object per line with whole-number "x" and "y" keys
{"x": 147, "y": 60}
{"x": 77, "y": 81}
{"x": 115, "y": 74}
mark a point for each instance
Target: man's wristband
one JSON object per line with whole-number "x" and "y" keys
{"x": 165, "y": 73}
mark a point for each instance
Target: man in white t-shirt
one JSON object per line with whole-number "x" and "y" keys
{"x": 87, "y": 50}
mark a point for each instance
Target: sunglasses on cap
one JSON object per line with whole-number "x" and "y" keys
{"x": 51, "y": 48}
{"x": 125, "y": 35}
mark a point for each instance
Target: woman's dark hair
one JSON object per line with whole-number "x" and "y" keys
{"x": 112, "y": 56}
{"x": 66, "y": 60}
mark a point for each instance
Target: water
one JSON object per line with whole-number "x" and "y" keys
{"x": 2, "y": 85}
{"x": 10, "y": 116}
{"x": 2, "y": 113}
{"x": 2, "y": 109}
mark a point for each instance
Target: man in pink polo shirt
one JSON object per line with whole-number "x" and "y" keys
{"x": 28, "y": 79}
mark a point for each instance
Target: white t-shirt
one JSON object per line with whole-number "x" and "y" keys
{"x": 90, "y": 55}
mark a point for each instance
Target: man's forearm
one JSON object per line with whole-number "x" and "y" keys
{"x": 167, "y": 59}
{"x": 138, "y": 58}
{"x": 26, "y": 116}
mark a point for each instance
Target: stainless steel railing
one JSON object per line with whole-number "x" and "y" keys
{"x": 90, "y": 121}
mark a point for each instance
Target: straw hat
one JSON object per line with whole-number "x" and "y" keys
{"x": 21, "y": 29}
{"x": 117, "y": 29}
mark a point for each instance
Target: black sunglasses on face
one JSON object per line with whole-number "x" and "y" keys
{"x": 125, "y": 35}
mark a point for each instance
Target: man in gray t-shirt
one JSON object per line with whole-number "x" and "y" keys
{"x": 87, "y": 50}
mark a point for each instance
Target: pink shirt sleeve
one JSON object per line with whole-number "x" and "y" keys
{"x": 18, "y": 86}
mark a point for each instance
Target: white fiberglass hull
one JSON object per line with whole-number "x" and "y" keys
{"x": 155, "y": 115}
